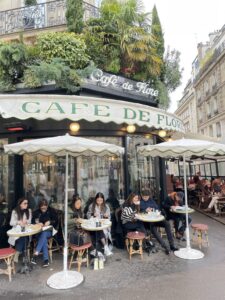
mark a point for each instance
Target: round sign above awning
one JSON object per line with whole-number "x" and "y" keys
{"x": 75, "y": 108}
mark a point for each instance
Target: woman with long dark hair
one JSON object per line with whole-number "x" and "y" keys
{"x": 48, "y": 219}
{"x": 21, "y": 216}
{"x": 99, "y": 209}
{"x": 130, "y": 208}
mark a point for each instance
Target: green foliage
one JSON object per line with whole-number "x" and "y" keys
{"x": 69, "y": 47}
{"x": 56, "y": 71}
{"x": 163, "y": 97}
{"x": 12, "y": 64}
{"x": 30, "y": 2}
{"x": 157, "y": 34}
{"x": 74, "y": 15}
{"x": 94, "y": 37}
{"x": 123, "y": 39}
{"x": 173, "y": 74}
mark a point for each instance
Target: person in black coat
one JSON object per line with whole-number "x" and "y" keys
{"x": 48, "y": 219}
{"x": 147, "y": 205}
{"x": 171, "y": 201}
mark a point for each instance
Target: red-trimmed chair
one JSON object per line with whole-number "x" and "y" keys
{"x": 134, "y": 236}
{"x": 7, "y": 254}
{"x": 200, "y": 234}
{"x": 80, "y": 253}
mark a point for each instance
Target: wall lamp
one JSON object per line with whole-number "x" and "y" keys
{"x": 162, "y": 133}
{"x": 131, "y": 128}
{"x": 74, "y": 127}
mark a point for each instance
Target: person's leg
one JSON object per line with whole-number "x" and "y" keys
{"x": 183, "y": 223}
{"x": 216, "y": 206}
{"x": 20, "y": 244}
{"x": 156, "y": 234}
{"x": 212, "y": 202}
{"x": 46, "y": 236}
{"x": 169, "y": 234}
{"x": 42, "y": 243}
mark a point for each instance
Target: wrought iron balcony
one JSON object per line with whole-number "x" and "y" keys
{"x": 43, "y": 15}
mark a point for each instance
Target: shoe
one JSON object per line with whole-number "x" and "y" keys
{"x": 45, "y": 264}
{"x": 167, "y": 251}
{"x": 179, "y": 235}
{"x": 107, "y": 252}
{"x": 173, "y": 248}
{"x": 207, "y": 210}
{"x": 34, "y": 260}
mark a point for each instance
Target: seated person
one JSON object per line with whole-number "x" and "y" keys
{"x": 216, "y": 194}
{"x": 99, "y": 209}
{"x": 75, "y": 221}
{"x": 44, "y": 216}
{"x": 21, "y": 215}
{"x": 169, "y": 204}
{"x": 75, "y": 213}
{"x": 147, "y": 205}
{"x": 129, "y": 211}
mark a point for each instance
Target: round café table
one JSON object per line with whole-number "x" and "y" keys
{"x": 29, "y": 231}
{"x": 90, "y": 225}
{"x": 182, "y": 210}
{"x": 151, "y": 218}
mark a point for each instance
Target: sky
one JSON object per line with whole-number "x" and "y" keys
{"x": 186, "y": 23}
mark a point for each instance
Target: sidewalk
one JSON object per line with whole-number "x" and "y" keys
{"x": 158, "y": 276}
{"x": 211, "y": 215}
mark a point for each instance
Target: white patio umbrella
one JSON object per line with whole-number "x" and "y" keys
{"x": 185, "y": 148}
{"x": 64, "y": 146}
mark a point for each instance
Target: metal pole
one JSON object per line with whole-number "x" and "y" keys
{"x": 65, "y": 252}
{"x": 186, "y": 204}
{"x": 125, "y": 165}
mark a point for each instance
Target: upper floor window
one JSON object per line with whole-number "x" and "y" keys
{"x": 206, "y": 87}
{"x": 218, "y": 129}
{"x": 210, "y": 130}
{"x": 215, "y": 105}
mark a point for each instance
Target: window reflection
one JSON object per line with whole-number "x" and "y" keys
{"x": 141, "y": 169}
{"x": 4, "y": 175}
{"x": 44, "y": 176}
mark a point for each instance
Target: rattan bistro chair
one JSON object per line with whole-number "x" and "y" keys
{"x": 7, "y": 254}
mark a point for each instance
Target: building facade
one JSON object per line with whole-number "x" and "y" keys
{"x": 107, "y": 108}
{"x": 45, "y": 16}
{"x": 209, "y": 85}
{"x": 187, "y": 109}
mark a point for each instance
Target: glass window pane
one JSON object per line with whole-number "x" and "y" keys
{"x": 44, "y": 176}
{"x": 6, "y": 181}
{"x": 221, "y": 167}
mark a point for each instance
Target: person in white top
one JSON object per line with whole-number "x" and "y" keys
{"x": 21, "y": 216}
{"x": 99, "y": 209}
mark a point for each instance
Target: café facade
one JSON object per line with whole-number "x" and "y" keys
{"x": 107, "y": 108}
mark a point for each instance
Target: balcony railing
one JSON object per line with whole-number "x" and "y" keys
{"x": 43, "y": 15}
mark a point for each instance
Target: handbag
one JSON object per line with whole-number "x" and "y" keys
{"x": 79, "y": 237}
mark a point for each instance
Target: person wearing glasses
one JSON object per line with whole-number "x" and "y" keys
{"x": 21, "y": 216}
{"x": 48, "y": 219}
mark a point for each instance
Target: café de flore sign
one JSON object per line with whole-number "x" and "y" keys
{"x": 75, "y": 108}
{"x": 111, "y": 81}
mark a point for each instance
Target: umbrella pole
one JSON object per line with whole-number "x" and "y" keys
{"x": 186, "y": 204}
{"x": 65, "y": 249}
{"x": 65, "y": 279}
{"x": 188, "y": 252}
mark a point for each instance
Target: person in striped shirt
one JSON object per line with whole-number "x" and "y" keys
{"x": 129, "y": 214}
